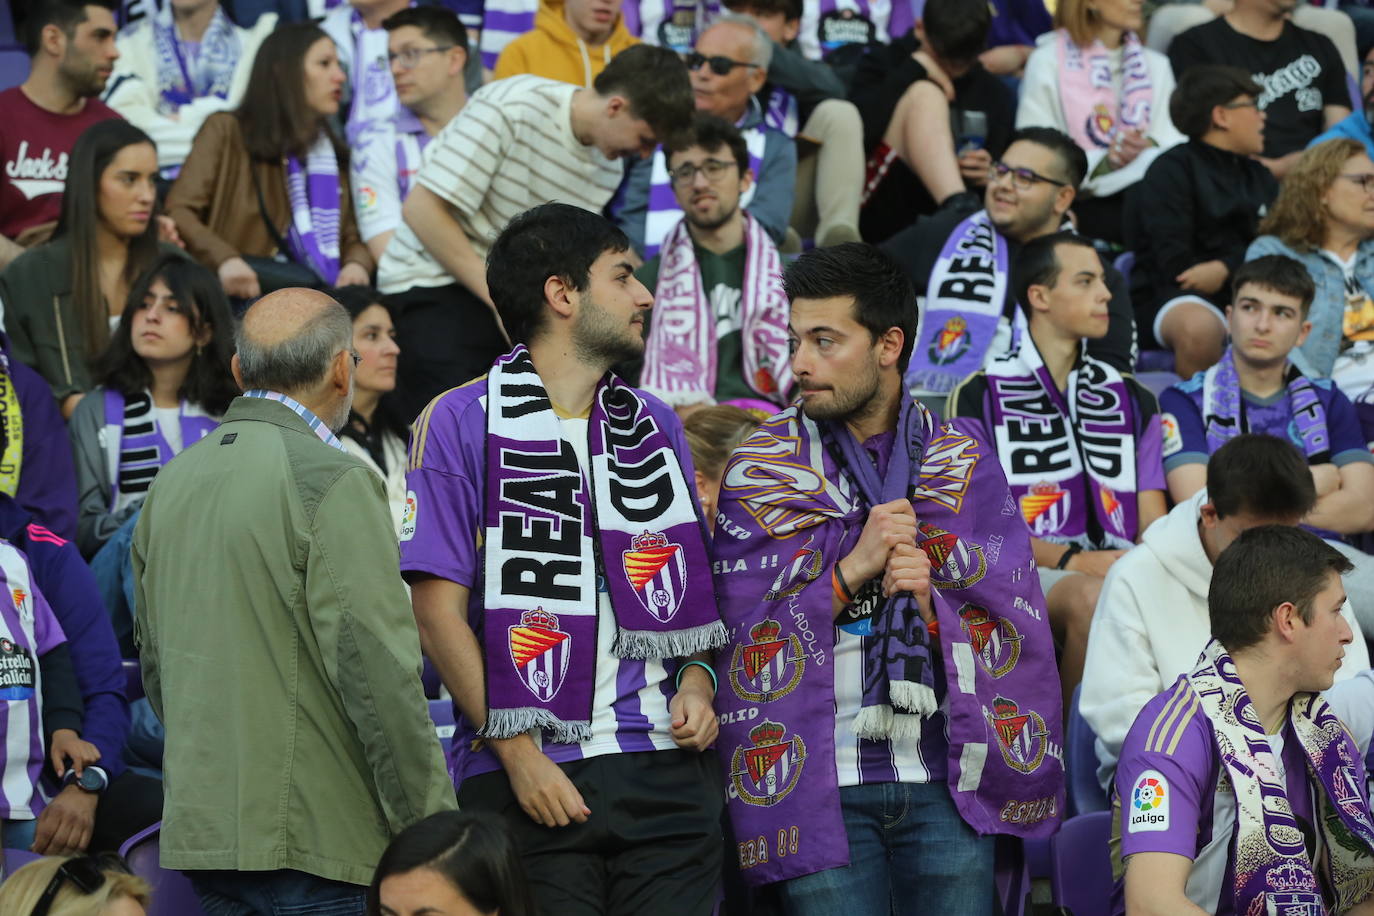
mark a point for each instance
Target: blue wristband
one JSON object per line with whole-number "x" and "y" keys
{"x": 715, "y": 684}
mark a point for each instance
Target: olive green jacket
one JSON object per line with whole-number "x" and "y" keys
{"x": 279, "y": 649}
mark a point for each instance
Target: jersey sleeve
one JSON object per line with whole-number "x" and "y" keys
{"x": 1149, "y": 442}
{"x": 441, "y": 528}
{"x": 1184, "y": 439}
{"x": 376, "y": 194}
{"x": 1347, "y": 436}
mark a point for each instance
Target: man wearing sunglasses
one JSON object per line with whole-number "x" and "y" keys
{"x": 962, "y": 264}
{"x": 729, "y": 65}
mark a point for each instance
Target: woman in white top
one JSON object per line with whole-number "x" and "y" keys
{"x": 1094, "y": 79}
{"x": 375, "y": 432}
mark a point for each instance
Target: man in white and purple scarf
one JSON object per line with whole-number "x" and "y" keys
{"x": 888, "y": 697}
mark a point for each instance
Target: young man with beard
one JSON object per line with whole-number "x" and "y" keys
{"x": 561, "y": 583}
{"x": 889, "y": 650}
{"x": 961, "y": 265}
{"x": 1079, "y": 440}
{"x": 720, "y": 331}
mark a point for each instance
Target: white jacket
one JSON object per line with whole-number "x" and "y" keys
{"x": 133, "y": 89}
{"x": 394, "y": 450}
{"x": 1040, "y": 107}
{"x": 1151, "y": 625}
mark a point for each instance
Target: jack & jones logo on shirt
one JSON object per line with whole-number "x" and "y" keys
{"x": 16, "y": 671}
{"x": 35, "y": 176}
{"x": 1149, "y": 803}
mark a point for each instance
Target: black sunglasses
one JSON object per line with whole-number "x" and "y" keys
{"x": 86, "y": 872}
{"x": 720, "y": 65}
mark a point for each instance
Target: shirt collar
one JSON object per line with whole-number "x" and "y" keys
{"x": 315, "y": 423}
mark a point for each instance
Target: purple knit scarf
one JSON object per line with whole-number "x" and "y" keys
{"x": 313, "y": 189}
{"x": 1223, "y": 408}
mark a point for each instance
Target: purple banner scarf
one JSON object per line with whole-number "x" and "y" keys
{"x": 313, "y": 190}
{"x": 1223, "y": 408}
{"x": 550, "y": 537}
{"x": 964, "y": 301}
{"x": 143, "y": 449}
{"x": 208, "y": 72}
{"x": 791, "y": 505}
{"x": 1272, "y": 871}
{"x": 1093, "y": 431}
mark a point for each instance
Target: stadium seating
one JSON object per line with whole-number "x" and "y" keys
{"x": 173, "y": 894}
{"x": 1080, "y": 865}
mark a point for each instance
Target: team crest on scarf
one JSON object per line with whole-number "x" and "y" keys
{"x": 994, "y": 639}
{"x": 767, "y": 668}
{"x": 951, "y": 343}
{"x": 541, "y": 652}
{"x": 19, "y": 595}
{"x": 803, "y": 569}
{"x": 1022, "y": 736}
{"x": 1100, "y": 125}
{"x": 766, "y": 772}
{"x": 1112, "y": 506}
{"x": 657, "y": 574}
{"x": 1044, "y": 507}
{"x": 954, "y": 562}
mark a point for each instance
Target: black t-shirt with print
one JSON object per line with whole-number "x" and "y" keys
{"x": 1301, "y": 72}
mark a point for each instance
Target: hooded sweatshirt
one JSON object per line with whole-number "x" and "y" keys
{"x": 1151, "y": 625}
{"x": 554, "y": 52}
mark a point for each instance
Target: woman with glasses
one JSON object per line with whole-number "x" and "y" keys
{"x": 1324, "y": 218}
{"x": 83, "y": 886}
{"x": 1094, "y": 79}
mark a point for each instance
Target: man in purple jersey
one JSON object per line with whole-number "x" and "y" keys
{"x": 1239, "y": 789}
{"x": 561, "y": 584}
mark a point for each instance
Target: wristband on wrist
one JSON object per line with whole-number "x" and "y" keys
{"x": 842, "y": 589}
{"x": 715, "y": 684}
{"x": 1067, "y": 555}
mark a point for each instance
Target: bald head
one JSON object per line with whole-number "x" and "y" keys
{"x": 289, "y": 340}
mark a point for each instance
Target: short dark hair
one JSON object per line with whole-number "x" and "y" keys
{"x": 956, "y": 29}
{"x": 551, "y": 240}
{"x": 791, "y": 10}
{"x": 654, "y": 81}
{"x": 1037, "y": 264}
{"x": 710, "y": 133}
{"x": 1260, "y": 475}
{"x": 1073, "y": 162}
{"x": 437, "y": 24}
{"x": 1279, "y": 273}
{"x": 65, "y": 14}
{"x": 881, "y": 290}
{"x": 473, "y": 851}
{"x": 1262, "y": 568}
{"x": 1202, "y": 88}
{"x": 274, "y": 117}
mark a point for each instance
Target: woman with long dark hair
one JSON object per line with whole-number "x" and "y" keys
{"x": 270, "y": 179}
{"x": 62, "y": 297}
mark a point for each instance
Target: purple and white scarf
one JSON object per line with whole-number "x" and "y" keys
{"x": 664, "y": 213}
{"x": 550, "y": 534}
{"x": 1084, "y": 492}
{"x": 1273, "y": 873}
{"x": 1095, "y": 111}
{"x": 680, "y": 354}
{"x": 186, "y": 73}
{"x": 313, "y": 190}
{"x": 135, "y": 446}
{"x": 793, "y": 501}
{"x": 1223, "y": 409}
{"x": 503, "y": 21}
{"x": 964, "y": 300}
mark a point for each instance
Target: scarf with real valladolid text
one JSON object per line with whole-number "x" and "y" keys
{"x": 313, "y": 189}
{"x": 1095, "y": 111}
{"x": 183, "y": 78}
{"x": 549, "y": 535}
{"x": 1223, "y": 408}
{"x": 680, "y": 354}
{"x": 137, "y": 447}
{"x": 1087, "y": 495}
{"x": 964, "y": 300}
{"x": 1272, "y": 871}
{"x": 794, "y": 499}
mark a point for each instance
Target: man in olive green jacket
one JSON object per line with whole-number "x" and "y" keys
{"x": 276, "y": 638}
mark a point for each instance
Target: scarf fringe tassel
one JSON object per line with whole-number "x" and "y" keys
{"x": 674, "y": 644}
{"x": 507, "y": 723}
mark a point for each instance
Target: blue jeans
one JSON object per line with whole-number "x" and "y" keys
{"x": 113, "y": 566}
{"x": 910, "y": 853}
{"x": 275, "y": 893}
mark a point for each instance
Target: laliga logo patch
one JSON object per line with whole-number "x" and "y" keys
{"x": 541, "y": 652}
{"x": 803, "y": 569}
{"x": 767, "y": 772}
{"x": 952, "y": 342}
{"x": 1149, "y": 803}
{"x": 994, "y": 639}
{"x": 1173, "y": 439}
{"x": 1022, "y": 737}
{"x": 408, "y": 513}
{"x": 954, "y": 563}
{"x": 657, "y": 573}
{"x": 768, "y": 668}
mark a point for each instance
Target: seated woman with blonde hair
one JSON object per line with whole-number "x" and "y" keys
{"x": 81, "y": 886}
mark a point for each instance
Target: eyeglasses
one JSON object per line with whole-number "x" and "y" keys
{"x": 1364, "y": 180}
{"x": 410, "y": 58}
{"x": 86, "y": 872}
{"x": 1021, "y": 178}
{"x": 1250, "y": 103}
{"x": 713, "y": 169}
{"x": 720, "y": 65}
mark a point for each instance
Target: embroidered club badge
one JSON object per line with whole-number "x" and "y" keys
{"x": 540, "y": 651}
{"x": 657, "y": 573}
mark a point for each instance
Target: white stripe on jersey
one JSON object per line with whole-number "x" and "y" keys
{"x": 23, "y": 718}
{"x": 905, "y": 756}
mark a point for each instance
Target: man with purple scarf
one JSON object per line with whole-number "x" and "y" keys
{"x": 561, "y": 583}
{"x": 877, "y": 731}
{"x": 1239, "y": 789}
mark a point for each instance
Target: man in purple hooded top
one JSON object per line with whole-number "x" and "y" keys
{"x": 562, "y": 588}
{"x": 875, "y": 730}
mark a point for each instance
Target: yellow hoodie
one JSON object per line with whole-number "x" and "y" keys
{"x": 552, "y": 50}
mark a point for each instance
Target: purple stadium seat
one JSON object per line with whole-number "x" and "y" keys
{"x": 14, "y": 66}
{"x": 1085, "y": 794}
{"x": 133, "y": 680}
{"x": 1157, "y": 381}
{"x": 16, "y": 859}
{"x": 1080, "y": 865}
{"x": 173, "y": 894}
{"x": 1155, "y": 361}
{"x": 1124, "y": 263}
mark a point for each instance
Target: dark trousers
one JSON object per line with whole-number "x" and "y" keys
{"x": 447, "y": 337}
{"x": 652, "y": 844}
{"x": 132, "y": 803}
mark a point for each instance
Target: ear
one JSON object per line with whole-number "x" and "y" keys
{"x": 615, "y": 105}
{"x": 237, "y": 372}
{"x": 791, "y": 29}
{"x": 1302, "y": 335}
{"x": 1063, "y": 200}
{"x": 560, "y": 297}
{"x": 457, "y": 61}
{"x": 746, "y": 180}
{"x": 1038, "y": 298}
{"x": 890, "y": 347}
{"x": 1287, "y": 618}
{"x": 919, "y": 30}
{"x": 1209, "y": 515}
{"x": 1221, "y": 117}
{"x": 206, "y": 334}
{"x": 53, "y": 40}
{"x": 338, "y": 373}
{"x": 703, "y": 488}
{"x": 757, "y": 77}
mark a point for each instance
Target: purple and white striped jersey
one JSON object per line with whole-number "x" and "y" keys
{"x": 28, "y": 630}
{"x": 441, "y": 535}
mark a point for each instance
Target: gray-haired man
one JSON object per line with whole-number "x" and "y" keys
{"x": 277, "y": 640}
